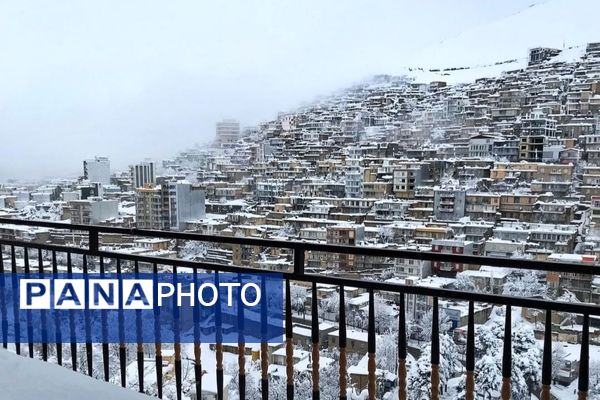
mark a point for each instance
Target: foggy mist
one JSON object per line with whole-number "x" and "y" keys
{"x": 136, "y": 79}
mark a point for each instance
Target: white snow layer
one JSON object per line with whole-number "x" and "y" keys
{"x": 22, "y": 378}
{"x": 544, "y": 24}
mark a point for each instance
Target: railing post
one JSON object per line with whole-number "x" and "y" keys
{"x": 59, "y": 349}
{"x": 28, "y": 312}
{"x": 122, "y": 346}
{"x": 177, "y": 343}
{"x": 44, "y": 323}
{"x": 219, "y": 344}
{"x": 178, "y": 388}
{"x": 470, "y": 361}
{"x": 547, "y": 359}
{"x": 343, "y": 343}
{"x": 157, "y": 340}
{"x": 198, "y": 348}
{"x": 264, "y": 346}
{"x": 402, "y": 350}
{"x": 299, "y": 260}
{"x": 93, "y": 242}
{"x": 584, "y": 360}
{"x": 198, "y": 368}
{"x": 87, "y": 322}
{"x": 507, "y": 356}
{"x": 71, "y": 321}
{"x": 3, "y": 302}
{"x": 371, "y": 367}
{"x": 314, "y": 310}
{"x": 13, "y": 260}
{"x": 138, "y": 332}
{"x": 435, "y": 351}
{"x": 289, "y": 341}
{"x": 105, "y": 354}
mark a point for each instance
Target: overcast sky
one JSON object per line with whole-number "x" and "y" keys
{"x": 134, "y": 79}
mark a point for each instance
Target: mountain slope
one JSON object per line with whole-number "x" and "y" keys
{"x": 543, "y": 24}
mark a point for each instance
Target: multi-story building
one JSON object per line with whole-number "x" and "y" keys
{"x": 537, "y": 132}
{"x": 449, "y": 203}
{"x": 228, "y": 132}
{"x": 97, "y": 170}
{"x": 347, "y": 235}
{"x": 450, "y": 246}
{"x": 405, "y": 267}
{"x": 142, "y": 174}
{"x": 169, "y": 206}
{"x": 149, "y": 208}
{"x": 407, "y": 176}
{"x": 481, "y": 146}
{"x": 578, "y": 284}
{"x": 482, "y": 206}
{"x": 596, "y": 211}
{"x": 93, "y": 210}
{"x": 517, "y": 206}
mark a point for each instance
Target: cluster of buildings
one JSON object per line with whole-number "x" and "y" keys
{"x": 507, "y": 166}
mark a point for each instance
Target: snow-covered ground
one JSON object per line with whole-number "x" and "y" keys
{"x": 485, "y": 50}
{"x": 28, "y": 379}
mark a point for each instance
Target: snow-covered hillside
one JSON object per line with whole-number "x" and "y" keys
{"x": 27, "y": 379}
{"x": 505, "y": 41}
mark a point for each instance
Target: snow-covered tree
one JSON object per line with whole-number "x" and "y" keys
{"x": 286, "y": 231}
{"x": 252, "y": 380}
{"x": 387, "y": 352}
{"x": 330, "y": 378}
{"x": 330, "y": 305}
{"x": 594, "y": 375}
{"x": 419, "y": 376}
{"x": 568, "y": 319}
{"x": 449, "y": 360}
{"x": 298, "y": 296}
{"x": 421, "y": 327}
{"x": 47, "y": 211}
{"x": 524, "y": 285}
{"x": 386, "y": 234}
{"x": 418, "y": 383}
{"x": 277, "y": 388}
{"x": 387, "y": 274}
{"x": 488, "y": 379}
{"x": 526, "y": 358}
{"x": 464, "y": 283}
{"x": 558, "y": 359}
{"x": 194, "y": 250}
{"x": 385, "y": 316}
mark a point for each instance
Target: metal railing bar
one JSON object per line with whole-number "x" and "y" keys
{"x": 328, "y": 248}
{"x": 541, "y": 304}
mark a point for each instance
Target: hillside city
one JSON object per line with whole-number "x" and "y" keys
{"x": 504, "y": 166}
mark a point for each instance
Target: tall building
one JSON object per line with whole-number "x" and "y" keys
{"x": 142, "y": 174}
{"x": 169, "y": 205}
{"x": 97, "y": 170}
{"x": 347, "y": 235}
{"x": 228, "y": 132}
{"x": 149, "y": 208}
{"x": 185, "y": 203}
{"x": 449, "y": 203}
{"x": 93, "y": 210}
{"x": 537, "y": 133}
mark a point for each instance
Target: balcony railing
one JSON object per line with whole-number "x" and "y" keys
{"x": 8, "y": 246}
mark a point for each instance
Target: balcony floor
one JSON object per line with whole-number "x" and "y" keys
{"x": 27, "y": 379}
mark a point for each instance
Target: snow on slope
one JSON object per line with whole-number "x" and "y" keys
{"x": 554, "y": 23}
{"x": 23, "y": 378}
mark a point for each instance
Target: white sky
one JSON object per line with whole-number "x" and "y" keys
{"x": 130, "y": 79}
